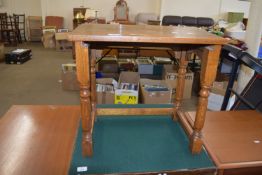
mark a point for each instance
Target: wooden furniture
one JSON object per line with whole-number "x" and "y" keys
{"x": 9, "y": 32}
{"x": 37, "y": 139}
{"x": 2, "y": 52}
{"x": 250, "y": 97}
{"x": 121, "y": 11}
{"x": 234, "y": 140}
{"x": 20, "y": 26}
{"x": 35, "y": 28}
{"x": 55, "y": 21}
{"x": 77, "y": 21}
{"x": 182, "y": 40}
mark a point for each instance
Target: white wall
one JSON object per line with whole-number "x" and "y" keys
{"x": 105, "y": 8}
{"x": 203, "y": 8}
{"x": 215, "y": 9}
{"x": 209, "y": 8}
{"x": 28, "y": 7}
{"x": 234, "y": 6}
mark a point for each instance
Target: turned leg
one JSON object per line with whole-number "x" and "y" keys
{"x": 209, "y": 63}
{"x": 180, "y": 82}
{"x": 83, "y": 76}
{"x": 93, "y": 86}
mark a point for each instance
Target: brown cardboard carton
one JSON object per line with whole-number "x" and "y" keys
{"x": 216, "y": 96}
{"x": 49, "y": 40}
{"x": 127, "y": 96}
{"x": 108, "y": 65}
{"x": 154, "y": 96}
{"x": 115, "y": 76}
{"x": 145, "y": 65}
{"x": 62, "y": 43}
{"x": 105, "y": 97}
{"x": 170, "y": 76}
{"x": 62, "y": 35}
{"x": 220, "y": 87}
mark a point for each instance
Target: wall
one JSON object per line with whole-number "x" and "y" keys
{"x": 234, "y": 6}
{"x": 216, "y": 9}
{"x": 210, "y": 8}
{"x": 105, "y": 8}
{"x": 28, "y": 7}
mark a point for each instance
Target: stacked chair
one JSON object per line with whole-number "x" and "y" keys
{"x": 19, "y": 20}
{"x": 251, "y": 97}
{"x": 12, "y": 28}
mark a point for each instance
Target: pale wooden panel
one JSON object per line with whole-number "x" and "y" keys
{"x": 144, "y": 33}
{"x": 134, "y": 111}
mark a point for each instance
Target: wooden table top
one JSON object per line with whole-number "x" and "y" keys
{"x": 233, "y": 139}
{"x": 37, "y": 139}
{"x": 144, "y": 34}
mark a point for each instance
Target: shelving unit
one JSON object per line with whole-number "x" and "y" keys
{"x": 35, "y": 25}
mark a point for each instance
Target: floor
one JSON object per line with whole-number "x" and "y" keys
{"x": 38, "y": 80}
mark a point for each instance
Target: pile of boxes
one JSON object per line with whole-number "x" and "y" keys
{"x": 58, "y": 39}
{"x": 143, "y": 80}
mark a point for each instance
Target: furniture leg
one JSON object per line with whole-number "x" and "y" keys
{"x": 93, "y": 86}
{"x": 180, "y": 82}
{"x": 209, "y": 63}
{"x": 83, "y": 76}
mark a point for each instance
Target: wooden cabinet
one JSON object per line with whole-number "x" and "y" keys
{"x": 77, "y": 21}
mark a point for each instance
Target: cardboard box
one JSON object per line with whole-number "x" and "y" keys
{"x": 105, "y": 96}
{"x": 145, "y": 65}
{"x": 108, "y": 65}
{"x": 115, "y": 76}
{"x": 170, "y": 76}
{"x": 159, "y": 63}
{"x": 126, "y": 64}
{"x": 62, "y": 43}
{"x": 127, "y": 96}
{"x": 62, "y": 35}
{"x": 216, "y": 96}
{"x": 49, "y": 40}
{"x": 154, "y": 92}
{"x": 69, "y": 78}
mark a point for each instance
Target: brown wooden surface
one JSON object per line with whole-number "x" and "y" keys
{"x": 134, "y": 111}
{"x": 37, "y": 139}
{"x": 144, "y": 33}
{"x": 229, "y": 138}
{"x": 192, "y": 39}
{"x": 242, "y": 171}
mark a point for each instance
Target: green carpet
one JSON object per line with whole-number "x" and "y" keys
{"x": 137, "y": 144}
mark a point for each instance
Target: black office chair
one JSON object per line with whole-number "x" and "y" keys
{"x": 251, "y": 96}
{"x": 172, "y": 20}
